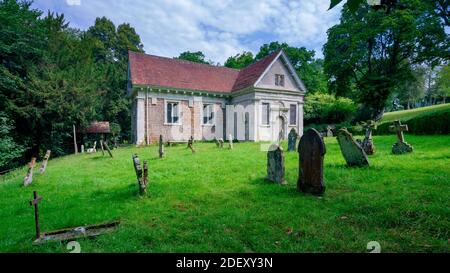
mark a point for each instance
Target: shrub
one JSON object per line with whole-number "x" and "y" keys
{"x": 323, "y": 108}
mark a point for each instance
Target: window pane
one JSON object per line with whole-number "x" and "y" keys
{"x": 282, "y": 80}
{"x": 265, "y": 113}
{"x": 211, "y": 114}
{"x": 175, "y": 112}
{"x": 169, "y": 113}
{"x": 293, "y": 114}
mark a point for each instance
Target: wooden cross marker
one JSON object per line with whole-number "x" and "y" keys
{"x": 399, "y": 128}
{"x": 34, "y": 203}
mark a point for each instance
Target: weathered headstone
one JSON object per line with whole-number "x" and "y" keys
{"x": 161, "y": 146}
{"x": 82, "y": 148}
{"x": 230, "y": 142}
{"x": 44, "y": 162}
{"x": 142, "y": 178}
{"x": 400, "y": 147}
{"x": 275, "y": 164}
{"x": 191, "y": 144}
{"x": 367, "y": 143}
{"x": 353, "y": 153}
{"x": 29, "y": 177}
{"x": 107, "y": 149}
{"x": 329, "y": 132}
{"x": 220, "y": 140}
{"x": 311, "y": 149}
{"x": 292, "y": 140}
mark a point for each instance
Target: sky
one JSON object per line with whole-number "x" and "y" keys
{"x": 218, "y": 28}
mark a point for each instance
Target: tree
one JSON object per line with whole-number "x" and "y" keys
{"x": 239, "y": 61}
{"x": 308, "y": 68}
{"x": 443, "y": 82}
{"x": 196, "y": 57}
{"x": 9, "y": 149}
{"x": 370, "y": 52}
{"x": 413, "y": 90}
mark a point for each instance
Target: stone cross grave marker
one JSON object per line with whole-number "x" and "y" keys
{"x": 311, "y": 149}
{"x": 275, "y": 164}
{"x": 161, "y": 146}
{"x": 353, "y": 153}
{"x": 292, "y": 140}
{"x": 142, "y": 176}
{"x": 44, "y": 162}
{"x": 34, "y": 202}
{"x": 29, "y": 177}
{"x": 191, "y": 144}
{"x": 367, "y": 143}
{"x": 230, "y": 142}
{"x": 400, "y": 147}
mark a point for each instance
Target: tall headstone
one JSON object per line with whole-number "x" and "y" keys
{"x": 292, "y": 140}
{"x": 161, "y": 146}
{"x": 353, "y": 153}
{"x": 82, "y": 148}
{"x": 367, "y": 143}
{"x": 29, "y": 177}
{"x": 230, "y": 142}
{"x": 311, "y": 149}
{"x": 45, "y": 162}
{"x": 275, "y": 164}
{"x": 400, "y": 147}
{"x": 142, "y": 176}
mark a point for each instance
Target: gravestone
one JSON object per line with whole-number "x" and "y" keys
{"x": 329, "y": 132}
{"x": 220, "y": 140}
{"x": 191, "y": 144}
{"x": 353, "y": 153}
{"x": 275, "y": 164}
{"x": 82, "y": 148}
{"x": 311, "y": 149}
{"x": 44, "y": 162}
{"x": 400, "y": 147}
{"x": 29, "y": 177}
{"x": 142, "y": 176}
{"x": 292, "y": 140}
{"x": 367, "y": 142}
{"x": 161, "y": 146}
{"x": 230, "y": 142}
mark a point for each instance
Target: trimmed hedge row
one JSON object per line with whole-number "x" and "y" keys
{"x": 426, "y": 124}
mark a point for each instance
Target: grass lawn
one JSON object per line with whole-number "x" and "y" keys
{"x": 408, "y": 114}
{"x": 218, "y": 201}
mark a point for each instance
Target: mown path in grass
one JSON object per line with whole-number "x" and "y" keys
{"x": 218, "y": 201}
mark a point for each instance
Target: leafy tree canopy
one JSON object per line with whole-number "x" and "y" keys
{"x": 196, "y": 57}
{"x": 240, "y": 61}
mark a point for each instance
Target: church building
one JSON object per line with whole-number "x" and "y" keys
{"x": 179, "y": 99}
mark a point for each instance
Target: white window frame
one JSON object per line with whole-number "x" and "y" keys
{"x": 296, "y": 114}
{"x": 279, "y": 77}
{"x": 268, "y": 114}
{"x": 209, "y": 112}
{"x": 166, "y": 103}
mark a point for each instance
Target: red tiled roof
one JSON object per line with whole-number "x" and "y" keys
{"x": 175, "y": 73}
{"x": 97, "y": 127}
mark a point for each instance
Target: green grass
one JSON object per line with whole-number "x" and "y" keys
{"x": 408, "y": 114}
{"x": 218, "y": 201}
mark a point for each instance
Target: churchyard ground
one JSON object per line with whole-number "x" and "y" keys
{"x": 217, "y": 200}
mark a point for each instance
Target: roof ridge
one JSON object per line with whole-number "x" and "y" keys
{"x": 174, "y": 59}
{"x": 265, "y": 57}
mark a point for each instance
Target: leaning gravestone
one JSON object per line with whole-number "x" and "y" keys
{"x": 29, "y": 177}
{"x": 311, "y": 151}
{"x": 353, "y": 153}
{"x": 142, "y": 176}
{"x": 292, "y": 139}
{"x": 44, "y": 162}
{"x": 400, "y": 147}
{"x": 275, "y": 164}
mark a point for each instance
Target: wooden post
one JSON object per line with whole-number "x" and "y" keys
{"x": 75, "y": 140}
{"x": 44, "y": 163}
{"x": 101, "y": 145}
{"x": 107, "y": 148}
{"x": 34, "y": 203}
{"x": 29, "y": 177}
{"x": 161, "y": 146}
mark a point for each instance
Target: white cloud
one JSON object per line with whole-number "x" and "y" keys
{"x": 73, "y": 2}
{"x": 219, "y": 28}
